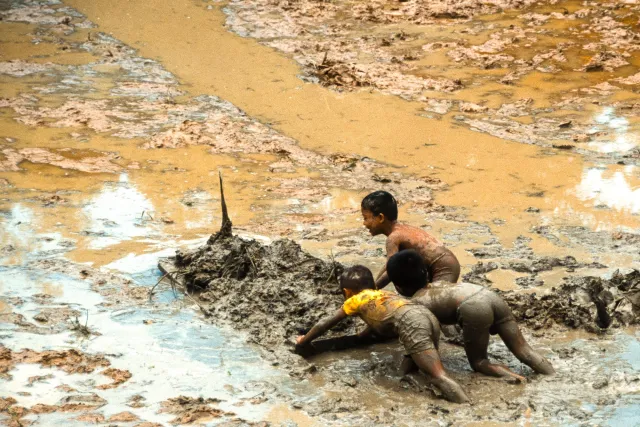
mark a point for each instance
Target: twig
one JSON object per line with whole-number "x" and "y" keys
{"x": 255, "y": 269}
{"x": 157, "y": 283}
{"x": 333, "y": 269}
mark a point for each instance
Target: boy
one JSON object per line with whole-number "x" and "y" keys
{"x": 388, "y": 314}
{"x": 479, "y": 311}
{"x": 380, "y": 213}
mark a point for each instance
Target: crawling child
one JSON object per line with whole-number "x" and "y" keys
{"x": 387, "y": 314}
{"x": 380, "y": 213}
{"x": 478, "y": 310}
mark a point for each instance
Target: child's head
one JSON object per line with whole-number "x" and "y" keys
{"x": 378, "y": 210}
{"x": 356, "y": 279}
{"x": 407, "y": 272}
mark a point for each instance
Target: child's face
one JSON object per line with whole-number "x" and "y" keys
{"x": 372, "y": 222}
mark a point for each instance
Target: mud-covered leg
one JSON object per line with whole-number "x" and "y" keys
{"x": 429, "y": 362}
{"x": 408, "y": 365}
{"x": 476, "y": 341}
{"x": 515, "y": 342}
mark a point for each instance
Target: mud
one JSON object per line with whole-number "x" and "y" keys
{"x": 69, "y": 361}
{"x": 189, "y": 410}
{"x": 273, "y": 292}
{"x": 407, "y": 49}
{"x": 90, "y": 124}
{"x": 589, "y": 303}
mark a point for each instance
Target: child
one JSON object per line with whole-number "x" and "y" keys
{"x": 380, "y": 213}
{"x": 479, "y": 311}
{"x": 388, "y": 314}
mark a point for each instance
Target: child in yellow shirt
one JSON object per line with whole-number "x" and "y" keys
{"x": 388, "y": 315}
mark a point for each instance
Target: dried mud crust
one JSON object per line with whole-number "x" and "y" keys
{"x": 388, "y": 45}
{"x": 189, "y": 410}
{"x": 274, "y": 292}
{"x": 70, "y": 361}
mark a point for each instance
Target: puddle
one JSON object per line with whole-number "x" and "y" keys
{"x": 170, "y": 352}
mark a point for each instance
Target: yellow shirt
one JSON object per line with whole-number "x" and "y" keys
{"x": 375, "y": 307}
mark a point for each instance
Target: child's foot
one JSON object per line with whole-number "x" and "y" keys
{"x": 515, "y": 379}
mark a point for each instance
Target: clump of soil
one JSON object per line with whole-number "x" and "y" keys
{"x": 273, "y": 291}
{"x": 190, "y": 409}
{"x": 118, "y": 376}
{"x": 590, "y": 303}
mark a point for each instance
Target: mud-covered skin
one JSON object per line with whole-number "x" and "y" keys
{"x": 481, "y": 312}
{"x": 418, "y": 332}
{"x": 441, "y": 263}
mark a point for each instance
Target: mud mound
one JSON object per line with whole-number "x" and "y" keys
{"x": 590, "y": 303}
{"x": 273, "y": 291}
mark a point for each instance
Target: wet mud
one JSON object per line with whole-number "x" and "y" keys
{"x": 577, "y": 56}
{"x": 89, "y": 124}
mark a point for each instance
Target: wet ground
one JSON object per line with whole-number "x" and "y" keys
{"x": 116, "y": 117}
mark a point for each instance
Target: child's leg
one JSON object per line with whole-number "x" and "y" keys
{"x": 476, "y": 341}
{"x": 429, "y": 362}
{"x": 408, "y": 365}
{"x": 512, "y": 337}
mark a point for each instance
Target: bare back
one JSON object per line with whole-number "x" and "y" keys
{"x": 440, "y": 261}
{"x": 443, "y": 300}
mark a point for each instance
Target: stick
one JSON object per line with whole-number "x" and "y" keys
{"x": 157, "y": 283}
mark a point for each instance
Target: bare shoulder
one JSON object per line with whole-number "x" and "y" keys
{"x": 416, "y": 234}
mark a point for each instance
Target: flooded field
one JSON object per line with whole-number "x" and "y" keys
{"x": 509, "y": 129}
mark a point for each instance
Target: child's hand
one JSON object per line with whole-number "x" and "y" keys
{"x": 299, "y": 339}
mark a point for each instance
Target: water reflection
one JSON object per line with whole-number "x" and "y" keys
{"x": 617, "y": 190}
{"x": 119, "y": 212}
{"x": 622, "y": 139}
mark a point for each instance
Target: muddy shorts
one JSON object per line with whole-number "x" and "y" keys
{"x": 483, "y": 310}
{"x": 417, "y": 328}
{"x": 446, "y": 268}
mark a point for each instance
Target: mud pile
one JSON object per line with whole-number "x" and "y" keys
{"x": 591, "y": 303}
{"x": 274, "y": 292}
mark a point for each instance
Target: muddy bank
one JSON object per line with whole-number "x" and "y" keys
{"x": 544, "y": 73}
{"x": 590, "y": 303}
{"x": 277, "y": 291}
{"x": 273, "y": 292}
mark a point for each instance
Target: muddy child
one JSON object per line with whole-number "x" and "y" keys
{"x": 388, "y": 315}
{"x": 380, "y": 213}
{"x": 478, "y": 310}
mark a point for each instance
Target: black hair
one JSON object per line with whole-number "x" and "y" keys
{"x": 357, "y": 278}
{"x": 381, "y": 202}
{"x": 407, "y": 271}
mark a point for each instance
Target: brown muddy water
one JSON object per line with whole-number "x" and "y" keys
{"x": 116, "y": 116}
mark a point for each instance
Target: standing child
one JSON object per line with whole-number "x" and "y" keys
{"x": 387, "y": 314}
{"x": 380, "y": 213}
{"x": 478, "y": 310}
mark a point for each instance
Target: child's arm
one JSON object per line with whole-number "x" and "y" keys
{"x": 382, "y": 279}
{"x": 321, "y": 327}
